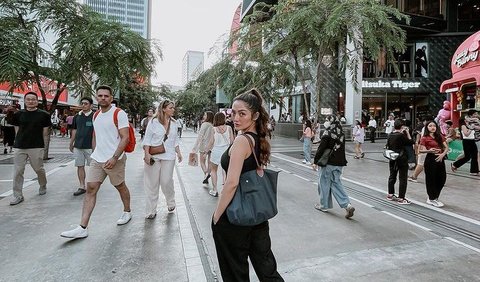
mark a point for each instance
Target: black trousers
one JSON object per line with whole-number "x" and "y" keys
{"x": 400, "y": 167}
{"x": 235, "y": 244}
{"x": 372, "y": 134}
{"x": 471, "y": 153}
{"x": 435, "y": 176}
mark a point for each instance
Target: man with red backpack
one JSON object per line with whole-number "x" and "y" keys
{"x": 111, "y": 139}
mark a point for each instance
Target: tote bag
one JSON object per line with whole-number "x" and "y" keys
{"x": 255, "y": 200}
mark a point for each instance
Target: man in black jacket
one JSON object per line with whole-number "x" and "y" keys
{"x": 397, "y": 141}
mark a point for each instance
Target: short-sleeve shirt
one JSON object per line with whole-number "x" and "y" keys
{"x": 83, "y": 124}
{"x": 107, "y": 137}
{"x": 30, "y": 128}
{"x": 430, "y": 143}
{"x": 154, "y": 137}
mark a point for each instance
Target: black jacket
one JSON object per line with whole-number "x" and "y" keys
{"x": 337, "y": 158}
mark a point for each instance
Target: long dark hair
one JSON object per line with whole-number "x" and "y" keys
{"x": 436, "y": 135}
{"x": 308, "y": 123}
{"x": 254, "y": 102}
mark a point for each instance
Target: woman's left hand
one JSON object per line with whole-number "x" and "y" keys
{"x": 180, "y": 157}
{"x": 439, "y": 157}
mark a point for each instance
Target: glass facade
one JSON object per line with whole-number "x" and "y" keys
{"x": 132, "y": 13}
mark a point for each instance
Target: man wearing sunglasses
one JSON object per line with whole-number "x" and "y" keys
{"x": 81, "y": 141}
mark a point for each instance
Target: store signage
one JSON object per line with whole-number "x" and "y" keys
{"x": 390, "y": 84}
{"x": 465, "y": 57}
{"x": 468, "y": 55}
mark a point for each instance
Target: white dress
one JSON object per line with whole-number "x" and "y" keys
{"x": 220, "y": 145}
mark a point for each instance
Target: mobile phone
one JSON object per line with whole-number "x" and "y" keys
{"x": 152, "y": 161}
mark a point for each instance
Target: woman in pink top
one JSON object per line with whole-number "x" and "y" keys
{"x": 434, "y": 145}
{"x": 307, "y": 142}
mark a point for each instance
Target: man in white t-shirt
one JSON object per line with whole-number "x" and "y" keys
{"x": 389, "y": 124}
{"x": 179, "y": 127}
{"x": 108, "y": 159}
{"x": 372, "y": 125}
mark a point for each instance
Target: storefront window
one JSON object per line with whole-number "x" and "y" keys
{"x": 430, "y": 8}
{"x": 468, "y": 16}
{"x": 384, "y": 68}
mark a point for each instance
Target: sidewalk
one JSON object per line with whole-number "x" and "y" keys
{"x": 163, "y": 249}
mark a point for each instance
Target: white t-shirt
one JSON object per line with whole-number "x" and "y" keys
{"x": 106, "y": 134}
{"x": 154, "y": 137}
{"x": 372, "y": 123}
{"x": 389, "y": 126}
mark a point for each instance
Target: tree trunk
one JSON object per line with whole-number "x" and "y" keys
{"x": 319, "y": 82}
{"x": 304, "y": 86}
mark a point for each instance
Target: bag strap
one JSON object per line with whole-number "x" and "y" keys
{"x": 168, "y": 130}
{"x": 253, "y": 149}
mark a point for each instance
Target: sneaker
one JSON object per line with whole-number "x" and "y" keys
{"x": 404, "y": 201}
{"x": 79, "y": 192}
{"x": 391, "y": 197}
{"x": 213, "y": 193}
{"x": 304, "y": 161}
{"x": 125, "y": 218}
{"x": 319, "y": 207}
{"x": 435, "y": 203}
{"x": 171, "y": 209}
{"x": 412, "y": 179}
{"x": 308, "y": 163}
{"x": 77, "y": 233}
{"x": 349, "y": 209}
{"x": 42, "y": 191}
{"x": 16, "y": 201}
{"x": 362, "y": 155}
{"x": 440, "y": 204}
{"x": 5, "y": 151}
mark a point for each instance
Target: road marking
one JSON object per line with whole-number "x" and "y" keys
{"x": 452, "y": 214}
{"x": 361, "y": 202}
{"x": 463, "y": 244}
{"x": 30, "y": 182}
{"x": 408, "y": 221}
{"x": 467, "y": 219}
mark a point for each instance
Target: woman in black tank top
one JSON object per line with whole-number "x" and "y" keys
{"x": 235, "y": 244}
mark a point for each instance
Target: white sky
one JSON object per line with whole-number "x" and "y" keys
{"x": 183, "y": 25}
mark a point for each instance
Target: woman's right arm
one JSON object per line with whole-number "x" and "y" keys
{"x": 238, "y": 153}
{"x": 323, "y": 145}
{"x": 465, "y": 131}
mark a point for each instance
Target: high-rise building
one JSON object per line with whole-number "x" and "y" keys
{"x": 192, "y": 66}
{"x": 136, "y": 14}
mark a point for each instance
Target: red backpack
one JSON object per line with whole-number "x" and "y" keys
{"x": 131, "y": 132}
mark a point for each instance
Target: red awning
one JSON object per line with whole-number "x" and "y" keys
{"x": 465, "y": 64}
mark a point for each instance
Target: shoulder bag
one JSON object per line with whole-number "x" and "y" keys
{"x": 160, "y": 149}
{"x": 255, "y": 200}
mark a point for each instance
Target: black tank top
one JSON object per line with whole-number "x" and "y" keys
{"x": 249, "y": 163}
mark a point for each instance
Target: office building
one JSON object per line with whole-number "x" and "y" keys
{"x": 135, "y": 14}
{"x": 192, "y": 67}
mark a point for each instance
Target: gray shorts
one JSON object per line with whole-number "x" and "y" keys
{"x": 82, "y": 156}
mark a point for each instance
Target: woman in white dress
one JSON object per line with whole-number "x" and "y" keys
{"x": 219, "y": 142}
{"x": 358, "y": 138}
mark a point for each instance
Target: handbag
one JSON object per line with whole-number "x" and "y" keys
{"x": 390, "y": 154}
{"x": 325, "y": 156}
{"x": 255, "y": 200}
{"x": 160, "y": 149}
{"x": 193, "y": 159}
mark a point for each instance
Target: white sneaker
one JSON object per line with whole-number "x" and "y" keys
{"x": 440, "y": 204}
{"x": 76, "y": 233}
{"x": 304, "y": 161}
{"x": 125, "y": 218}
{"x": 430, "y": 202}
{"x": 308, "y": 163}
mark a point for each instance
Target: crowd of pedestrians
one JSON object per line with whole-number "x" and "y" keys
{"x": 233, "y": 144}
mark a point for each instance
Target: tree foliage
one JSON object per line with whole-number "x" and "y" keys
{"x": 69, "y": 44}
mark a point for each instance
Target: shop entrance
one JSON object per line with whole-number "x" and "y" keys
{"x": 409, "y": 106}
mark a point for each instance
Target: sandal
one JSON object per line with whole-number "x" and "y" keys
{"x": 392, "y": 197}
{"x": 151, "y": 216}
{"x": 213, "y": 193}
{"x": 404, "y": 201}
{"x": 454, "y": 169}
{"x": 362, "y": 155}
{"x": 356, "y": 157}
{"x": 171, "y": 209}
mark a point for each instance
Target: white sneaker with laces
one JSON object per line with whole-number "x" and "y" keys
{"x": 125, "y": 218}
{"x": 440, "y": 204}
{"x": 304, "y": 161}
{"x": 76, "y": 233}
{"x": 430, "y": 202}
